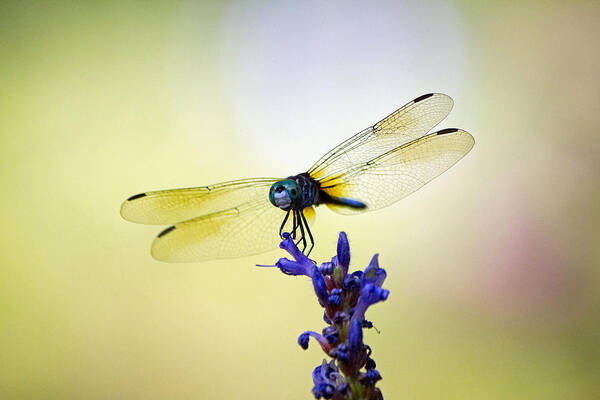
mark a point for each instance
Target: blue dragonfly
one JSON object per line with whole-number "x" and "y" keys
{"x": 371, "y": 170}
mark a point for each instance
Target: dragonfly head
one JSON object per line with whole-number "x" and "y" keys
{"x": 285, "y": 194}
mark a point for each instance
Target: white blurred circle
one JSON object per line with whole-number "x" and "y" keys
{"x": 300, "y": 77}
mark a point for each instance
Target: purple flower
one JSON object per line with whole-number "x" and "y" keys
{"x": 327, "y": 381}
{"x": 373, "y": 274}
{"x": 373, "y": 376}
{"x": 301, "y": 265}
{"x": 355, "y": 337}
{"x": 320, "y": 286}
{"x": 370, "y": 364}
{"x": 371, "y": 291}
{"x": 345, "y": 297}
{"x": 331, "y": 334}
{"x": 335, "y": 298}
{"x": 341, "y": 353}
{"x": 288, "y": 245}
{"x": 325, "y": 373}
{"x": 343, "y": 252}
{"x": 323, "y": 390}
{"x": 369, "y": 295}
{"x": 327, "y": 268}
{"x": 352, "y": 281}
{"x": 305, "y": 336}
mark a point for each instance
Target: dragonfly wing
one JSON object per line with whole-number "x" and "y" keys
{"x": 404, "y": 125}
{"x": 250, "y": 228}
{"x": 396, "y": 174}
{"x": 170, "y": 206}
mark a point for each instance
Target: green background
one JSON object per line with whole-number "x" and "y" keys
{"x": 493, "y": 267}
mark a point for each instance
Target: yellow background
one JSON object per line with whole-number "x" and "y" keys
{"x": 494, "y": 268}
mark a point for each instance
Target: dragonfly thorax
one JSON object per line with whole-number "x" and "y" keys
{"x": 294, "y": 193}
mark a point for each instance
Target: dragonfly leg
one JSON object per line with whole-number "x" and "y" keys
{"x": 303, "y": 238}
{"x": 295, "y": 225}
{"x": 298, "y": 220}
{"x": 283, "y": 223}
{"x": 312, "y": 240}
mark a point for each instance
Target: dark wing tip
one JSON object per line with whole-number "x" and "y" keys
{"x": 447, "y": 130}
{"x": 137, "y": 196}
{"x": 421, "y": 98}
{"x": 163, "y": 233}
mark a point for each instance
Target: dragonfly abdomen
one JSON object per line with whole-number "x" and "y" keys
{"x": 341, "y": 201}
{"x": 313, "y": 195}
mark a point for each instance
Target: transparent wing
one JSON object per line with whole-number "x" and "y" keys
{"x": 250, "y": 228}
{"x": 402, "y": 126}
{"x": 394, "y": 175}
{"x": 170, "y": 206}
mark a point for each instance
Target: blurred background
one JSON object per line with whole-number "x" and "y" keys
{"x": 494, "y": 267}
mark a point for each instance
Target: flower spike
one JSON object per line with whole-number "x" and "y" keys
{"x": 351, "y": 373}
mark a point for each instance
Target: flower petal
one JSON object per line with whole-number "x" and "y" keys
{"x": 305, "y": 336}
{"x": 320, "y": 286}
{"x": 343, "y": 252}
{"x": 355, "y": 339}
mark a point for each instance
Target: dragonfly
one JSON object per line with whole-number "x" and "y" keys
{"x": 371, "y": 170}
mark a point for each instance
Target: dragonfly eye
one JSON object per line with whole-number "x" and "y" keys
{"x": 293, "y": 192}
{"x": 279, "y": 189}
